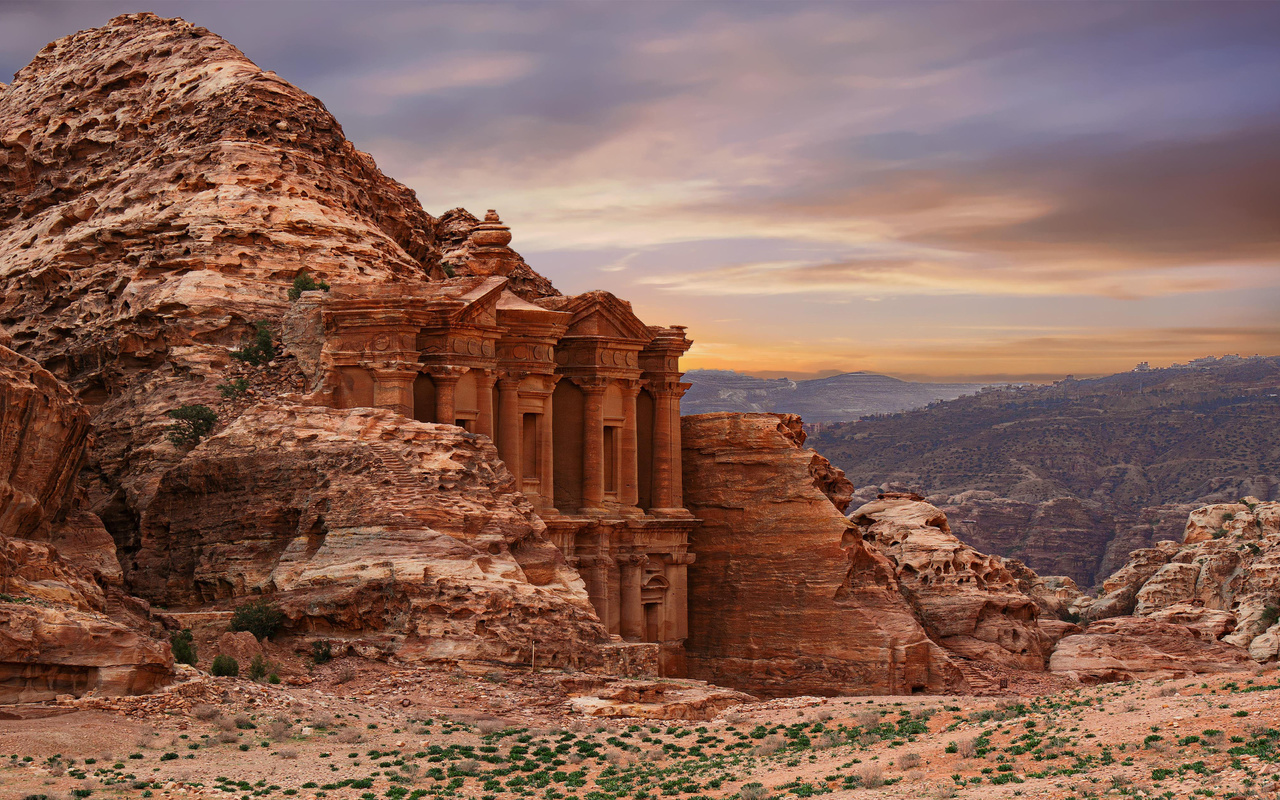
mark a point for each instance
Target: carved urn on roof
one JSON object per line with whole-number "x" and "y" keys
{"x": 491, "y": 233}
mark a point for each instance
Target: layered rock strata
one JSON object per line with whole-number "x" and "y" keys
{"x": 785, "y": 597}
{"x": 1133, "y": 648}
{"x": 409, "y": 537}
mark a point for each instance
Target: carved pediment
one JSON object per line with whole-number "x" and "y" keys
{"x": 600, "y": 314}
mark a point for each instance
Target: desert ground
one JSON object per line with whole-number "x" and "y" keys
{"x": 356, "y": 729}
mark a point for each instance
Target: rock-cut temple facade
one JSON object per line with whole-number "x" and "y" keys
{"x": 582, "y": 401}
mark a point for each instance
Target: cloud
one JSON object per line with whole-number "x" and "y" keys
{"x": 456, "y": 71}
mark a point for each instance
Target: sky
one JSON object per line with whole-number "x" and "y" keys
{"x": 936, "y": 191}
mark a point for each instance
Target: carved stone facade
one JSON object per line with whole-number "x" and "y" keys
{"x": 582, "y": 400}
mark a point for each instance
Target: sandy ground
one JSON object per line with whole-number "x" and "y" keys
{"x": 489, "y": 733}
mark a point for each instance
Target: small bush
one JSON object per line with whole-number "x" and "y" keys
{"x": 344, "y": 673}
{"x": 191, "y": 424}
{"x": 908, "y": 761}
{"x": 184, "y": 651}
{"x": 1270, "y": 615}
{"x": 224, "y": 666}
{"x": 321, "y": 651}
{"x": 206, "y": 712}
{"x": 259, "y": 617}
{"x": 273, "y": 679}
{"x": 450, "y": 270}
{"x": 258, "y": 668}
{"x": 258, "y": 350}
{"x": 753, "y": 791}
{"x": 305, "y": 283}
{"x": 234, "y": 388}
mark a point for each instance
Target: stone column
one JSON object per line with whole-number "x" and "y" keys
{"x": 630, "y": 484}
{"x": 677, "y": 457}
{"x": 484, "y": 402}
{"x": 509, "y": 424}
{"x": 593, "y": 444}
{"x": 446, "y": 381}
{"x": 666, "y": 434}
{"x": 631, "y": 611}
{"x": 393, "y": 388}
{"x": 676, "y": 622}
{"x": 547, "y": 464}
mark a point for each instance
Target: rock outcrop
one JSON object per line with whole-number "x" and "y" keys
{"x": 969, "y": 602}
{"x": 785, "y": 596}
{"x": 1222, "y": 580}
{"x": 159, "y": 194}
{"x": 403, "y": 537}
{"x": 55, "y": 633}
{"x": 1133, "y": 648}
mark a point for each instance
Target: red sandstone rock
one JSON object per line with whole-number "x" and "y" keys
{"x": 785, "y": 598}
{"x": 1133, "y": 648}
{"x": 687, "y": 700}
{"x": 409, "y": 537}
{"x": 1220, "y": 581}
{"x": 968, "y": 601}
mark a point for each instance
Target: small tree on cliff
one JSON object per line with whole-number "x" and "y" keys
{"x": 305, "y": 283}
{"x": 260, "y": 349}
{"x": 191, "y": 424}
{"x": 184, "y": 649}
{"x": 259, "y": 617}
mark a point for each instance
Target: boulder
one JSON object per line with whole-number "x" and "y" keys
{"x": 682, "y": 700}
{"x": 1136, "y": 648}
{"x": 785, "y": 597}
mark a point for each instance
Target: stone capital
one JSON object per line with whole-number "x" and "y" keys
{"x": 680, "y": 559}
{"x": 445, "y": 374}
{"x": 592, "y": 384}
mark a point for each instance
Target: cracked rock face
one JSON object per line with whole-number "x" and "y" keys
{"x": 785, "y": 597}
{"x": 360, "y": 524}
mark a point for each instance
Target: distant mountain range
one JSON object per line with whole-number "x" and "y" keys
{"x": 1072, "y": 476}
{"x": 840, "y": 398}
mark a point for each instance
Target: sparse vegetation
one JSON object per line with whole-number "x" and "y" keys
{"x": 260, "y": 617}
{"x": 260, "y": 348}
{"x": 184, "y": 649}
{"x": 191, "y": 424}
{"x": 224, "y": 666}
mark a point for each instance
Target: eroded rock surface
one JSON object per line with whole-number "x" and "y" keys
{"x": 1222, "y": 580}
{"x": 969, "y": 602}
{"x": 785, "y": 597}
{"x": 1134, "y": 648}
{"x": 408, "y": 536}
{"x": 55, "y": 633}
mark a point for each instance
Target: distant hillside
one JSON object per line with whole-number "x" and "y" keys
{"x": 839, "y": 398}
{"x": 1070, "y": 477}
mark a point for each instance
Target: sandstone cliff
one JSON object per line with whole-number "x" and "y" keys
{"x": 785, "y": 596}
{"x": 57, "y": 631}
{"x": 398, "y": 537}
{"x": 1222, "y": 580}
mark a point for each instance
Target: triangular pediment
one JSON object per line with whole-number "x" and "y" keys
{"x": 601, "y": 314}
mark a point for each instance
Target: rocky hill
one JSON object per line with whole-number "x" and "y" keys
{"x": 1069, "y": 478}
{"x": 839, "y": 398}
{"x": 159, "y": 194}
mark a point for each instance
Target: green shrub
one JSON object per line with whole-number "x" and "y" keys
{"x": 273, "y": 679}
{"x": 321, "y": 651}
{"x": 1270, "y": 615}
{"x": 450, "y": 270}
{"x": 259, "y": 617}
{"x": 305, "y": 283}
{"x": 258, "y": 350}
{"x": 224, "y": 666}
{"x": 234, "y": 388}
{"x": 258, "y": 668}
{"x": 191, "y": 424}
{"x": 184, "y": 651}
